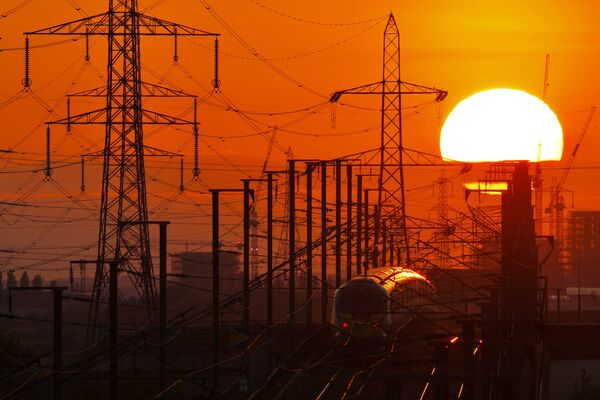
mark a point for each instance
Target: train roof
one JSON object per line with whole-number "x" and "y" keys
{"x": 382, "y": 275}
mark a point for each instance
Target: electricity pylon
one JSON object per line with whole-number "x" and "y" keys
{"x": 123, "y": 232}
{"x": 391, "y": 150}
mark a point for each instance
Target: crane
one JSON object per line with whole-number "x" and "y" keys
{"x": 538, "y": 182}
{"x": 254, "y": 222}
{"x": 557, "y": 205}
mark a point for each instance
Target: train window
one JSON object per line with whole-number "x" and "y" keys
{"x": 363, "y": 300}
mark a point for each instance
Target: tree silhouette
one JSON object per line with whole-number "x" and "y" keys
{"x": 24, "y": 281}
{"x": 37, "y": 281}
{"x": 11, "y": 281}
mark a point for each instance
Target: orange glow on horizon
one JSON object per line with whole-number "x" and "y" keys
{"x": 487, "y": 187}
{"x": 499, "y": 125}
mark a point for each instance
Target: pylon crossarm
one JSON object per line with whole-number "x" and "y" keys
{"x": 95, "y": 92}
{"x": 156, "y": 118}
{"x": 90, "y": 117}
{"x": 148, "y": 90}
{"x": 150, "y": 151}
{"x": 98, "y": 117}
{"x": 93, "y": 25}
{"x": 152, "y": 90}
{"x": 413, "y": 88}
{"x": 417, "y": 157}
{"x": 156, "y": 26}
{"x": 364, "y": 89}
{"x": 99, "y": 25}
{"x": 378, "y": 88}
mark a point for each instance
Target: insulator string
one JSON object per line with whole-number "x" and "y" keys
{"x": 216, "y": 81}
{"x": 196, "y": 171}
{"x": 48, "y": 171}
{"x": 27, "y": 79}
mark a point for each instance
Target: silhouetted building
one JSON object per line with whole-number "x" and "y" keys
{"x": 582, "y": 263}
{"x": 198, "y": 265}
{"x": 191, "y": 277}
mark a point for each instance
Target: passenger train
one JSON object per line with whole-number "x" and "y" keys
{"x": 372, "y": 306}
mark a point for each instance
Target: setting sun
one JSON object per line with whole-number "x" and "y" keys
{"x": 501, "y": 124}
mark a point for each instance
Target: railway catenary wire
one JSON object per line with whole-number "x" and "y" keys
{"x": 312, "y": 22}
{"x": 299, "y": 55}
{"x": 349, "y": 379}
{"x": 15, "y": 8}
{"x": 259, "y": 281}
{"x": 244, "y": 352}
{"x": 340, "y": 383}
{"x": 279, "y": 371}
{"x": 73, "y": 197}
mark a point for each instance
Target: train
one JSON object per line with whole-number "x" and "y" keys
{"x": 372, "y": 306}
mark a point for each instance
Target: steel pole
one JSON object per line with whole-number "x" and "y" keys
{"x": 324, "y": 241}
{"x": 348, "y": 222}
{"x": 162, "y": 323}
{"x": 215, "y": 294}
{"x": 246, "y": 299}
{"x": 269, "y": 249}
{"x": 338, "y": 222}
{"x": 359, "y": 224}
{"x": 366, "y": 230}
{"x": 57, "y": 297}
{"x": 292, "y": 239}
{"x": 113, "y": 301}
{"x": 309, "y": 240}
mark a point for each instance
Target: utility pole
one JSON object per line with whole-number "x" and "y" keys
{"x": 348, "y": 222}
{"x": 366, "y": 205}
{"x": 338, "y": 222}
{"x": 269, "y": 249}
{"x": 249, "y": 227}
{"x": 309, "y": 240}
{"x": 113, "y": 299}
{"x": 246, "y": 300}
{"x": 384, "y": 242}
{"x": 123, "y": 182}
{"x": 292, "y": 238}
{"x": 162, "y": 316}
{"x": 215, "y": 295}
{"x": 57, "y": 331}
{"x": 359, "y": 224}
{"x": 216, "y": 319}
{"x": 324, "y": 294}
{"x": 162, "y": 298}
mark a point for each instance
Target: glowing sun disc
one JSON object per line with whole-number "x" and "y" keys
{"x": 501, "y": 125}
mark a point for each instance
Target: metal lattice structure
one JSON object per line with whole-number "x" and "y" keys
{"x": 391, "y": 201}
{"x": 123, "y": 222}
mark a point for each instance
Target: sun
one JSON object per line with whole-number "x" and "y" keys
{"x": 501, "y": 125}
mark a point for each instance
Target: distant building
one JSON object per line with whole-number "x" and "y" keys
{"x": 192, "y": 272}
{"x": 198, "y": 265}
{"x": 582, "y": 245}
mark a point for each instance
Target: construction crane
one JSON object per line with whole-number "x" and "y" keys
{"x": 254, "y": 220}
{"x": 538, "y": 183}
{"x": 557, "y": 205}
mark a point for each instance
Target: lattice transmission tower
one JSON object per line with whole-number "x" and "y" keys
{"x": 391, "y": 201}
{"x": 123, "y": 221}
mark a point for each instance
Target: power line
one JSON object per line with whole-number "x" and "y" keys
{"x": 299, "y": 19}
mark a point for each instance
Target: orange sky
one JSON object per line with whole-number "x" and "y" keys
{"x": 462, "y": 47}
